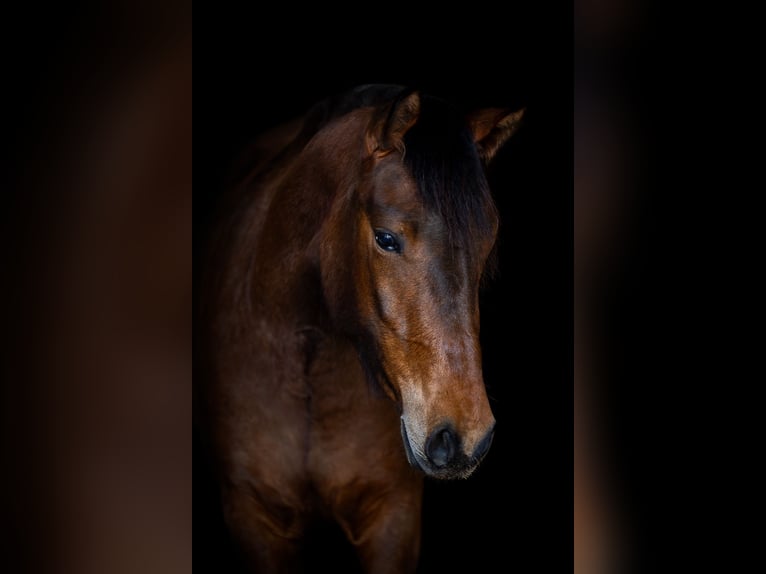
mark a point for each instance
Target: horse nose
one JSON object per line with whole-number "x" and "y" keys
{"x": 441, "y": 447}
{"x": 483, "y": 447}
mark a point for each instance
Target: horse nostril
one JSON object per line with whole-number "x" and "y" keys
{"x": 441, "y": 447}
{"x": 483, "y": 446}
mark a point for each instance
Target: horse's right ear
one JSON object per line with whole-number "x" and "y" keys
{"x": 491, "y": 128}
{"x": 389, "y": 124}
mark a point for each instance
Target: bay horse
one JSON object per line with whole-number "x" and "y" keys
{"x": 342, "y": 314}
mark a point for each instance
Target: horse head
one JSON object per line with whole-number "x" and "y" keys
{"x": 402, "y": 259}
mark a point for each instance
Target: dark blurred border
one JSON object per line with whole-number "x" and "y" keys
{"x": 96, "y": 295}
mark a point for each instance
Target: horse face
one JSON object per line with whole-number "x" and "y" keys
{"x": 400, "y": 269}
{"x": 417, "y": 297}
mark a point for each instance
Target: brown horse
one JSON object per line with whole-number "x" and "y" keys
{"x": 350, "y": 262}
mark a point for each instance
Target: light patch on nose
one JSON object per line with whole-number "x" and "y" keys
{"x": 415, "y": 456}
{"x": 413, "y": 420}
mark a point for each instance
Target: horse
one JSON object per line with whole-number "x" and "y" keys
{"x": 341, "y": 307}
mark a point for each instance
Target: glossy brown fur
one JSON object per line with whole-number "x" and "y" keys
{"x": 308, "y": 316}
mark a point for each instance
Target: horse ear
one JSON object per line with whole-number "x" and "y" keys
{"x": 491, "y": 128}
{"x": 389, "y": 125}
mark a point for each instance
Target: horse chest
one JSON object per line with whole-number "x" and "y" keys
{"x": 346, "y": 414}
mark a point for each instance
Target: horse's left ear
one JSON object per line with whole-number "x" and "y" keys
{"x": 491, "y": 128}
{"x": 390, "y": 123}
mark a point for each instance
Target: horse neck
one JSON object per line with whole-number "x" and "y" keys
{"x": 282, "y": 278}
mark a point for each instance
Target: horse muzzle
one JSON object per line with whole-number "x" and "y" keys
{"x": 442, "y": 454}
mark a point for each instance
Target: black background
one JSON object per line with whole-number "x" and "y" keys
{"x": 253, "y": 72}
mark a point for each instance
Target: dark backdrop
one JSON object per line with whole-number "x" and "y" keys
{"x": 516, "y": 510}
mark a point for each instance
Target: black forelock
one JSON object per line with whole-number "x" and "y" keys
{"x": 439, "y": 152}
{"x": 441, "y": 155}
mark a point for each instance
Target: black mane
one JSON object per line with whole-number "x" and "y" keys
{"x": 332, "y": 108}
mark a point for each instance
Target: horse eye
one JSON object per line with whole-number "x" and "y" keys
{"x": 387, "y": 241}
